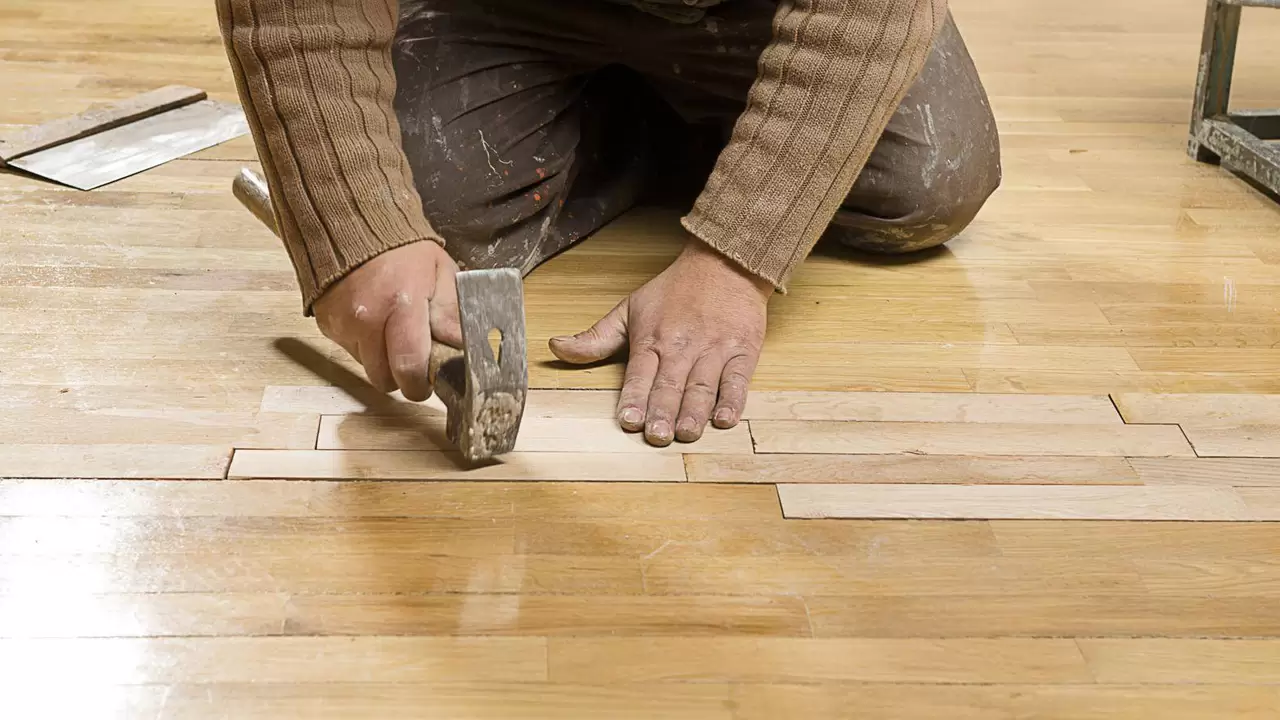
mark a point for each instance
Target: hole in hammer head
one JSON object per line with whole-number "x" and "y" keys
{"x": 495, "y": 346}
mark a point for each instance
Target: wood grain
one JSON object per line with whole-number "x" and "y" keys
{"x": 783, "y": 436}
{"x": 436, "y": 465}
{"x": 1200, "y": 409}
{"x": 1183, "y": 660}
{"x": 537, "y": 435}
{"x": 114, "y": 461}
{"x": 1231, "y": 472}
{"x": 931, "y": 407}
{"x": 785, "y": 660}
{"x": 952, "y": 469}
{"x": 1016, "y": 502}
{"x": 1243, "y": 441}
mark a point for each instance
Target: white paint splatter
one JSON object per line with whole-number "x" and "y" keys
{"x": 490, "y": 154}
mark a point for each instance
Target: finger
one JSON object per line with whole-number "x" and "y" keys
{"x": 733, "y": 390}
{"x": 665, "y": 396}
{"x": 408, "y": 337}
{"x": 600, "y": 341}
{"x": 373, "y": 356}
{"x": 699, "y": 397}
{"x": 634, "y": 399}
{"x": 446, "y": 325}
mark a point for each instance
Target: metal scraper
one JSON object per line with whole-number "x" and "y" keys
{"x": 113, "y": 141}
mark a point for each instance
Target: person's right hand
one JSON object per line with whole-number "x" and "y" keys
{"x": 387, "y": 312}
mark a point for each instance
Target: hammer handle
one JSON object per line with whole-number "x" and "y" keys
{"x": 251, "y": 190}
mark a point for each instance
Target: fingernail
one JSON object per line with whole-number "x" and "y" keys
{"x": 660, "y": 430}
{"x": 632, "y": 416}
{"x": 724, "y": 416}
{"x": 686, "y": 430}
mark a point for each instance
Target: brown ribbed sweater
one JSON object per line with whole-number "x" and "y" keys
{"x": 317, "y": 84}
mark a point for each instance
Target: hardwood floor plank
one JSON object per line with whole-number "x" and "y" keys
{"x": 133, "y": 661}
{"x": 434, "y": 465}
{"x": 66, "y": 614}
{"x": 443, "y": 699}
{"x": 918, "y": 701}
{"x": 114, "y": 461}
{"x": 537, "y": 434}
{"x": 868, "y": 574}
{"x": 931, "y": 407}
{"x": 1203, "y": 410}
{"x": 547, "y": 615}
{"x": 1226, "y": 472}
{"x": 1190, "y": 377}
{"x": 122, "y": 426}
{"x": 789, "y": 660}
{"x": 1016, "y": 502}
{"x": 950, "y": 469}
{"x": 1180, "y": 660}
{"x": 795, "y": 436}
{"x": 1242, "y": 441}
{"x": 1061, "y": 614}
{"x": 325, "y": 400}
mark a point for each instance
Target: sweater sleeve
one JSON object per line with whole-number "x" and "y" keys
{"x": 828, "y": 83}
{"x": 316, "y": 80}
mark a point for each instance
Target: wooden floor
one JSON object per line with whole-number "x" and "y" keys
{"x": 197, "y": 526}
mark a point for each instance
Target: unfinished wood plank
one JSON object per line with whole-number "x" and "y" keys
{"x": 1013, "y": 502}
{"x": 625, "y": 660}
{"x": 327, "y": 400}
{"x": 1243, "y": 441}
{"x": 949, "y": 469}
{"x": 1262, "y": 502}
{"x": 1030, "y": 439}
{"x": 537, "y": 435}
{"x": 126, "y": 425}
{"x": 275, "y": 659}
{"x": 1212, "y": 410}
{"x": 96, "y": 119}
{"x": 1228, "y": 472}
{"x": 1183, "y": 660}
{"x": 438, "y": 465}
{"x": 931, "y": 407}
{"x": 114, "y": 461}
{"x": 72, "y": 615}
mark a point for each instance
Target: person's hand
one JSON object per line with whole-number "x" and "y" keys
{"x": 695, "y": 333}
{"x": 386, "y": 313}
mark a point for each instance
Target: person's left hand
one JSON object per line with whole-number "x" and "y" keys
{"x": 695, "y": 333}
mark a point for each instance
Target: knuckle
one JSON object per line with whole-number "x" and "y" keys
{"x": 666, "y": 382}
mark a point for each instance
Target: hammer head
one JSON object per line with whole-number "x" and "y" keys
{"x": 485, "y": 395}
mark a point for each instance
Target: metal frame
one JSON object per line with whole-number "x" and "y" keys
{"x": 1237, "y": 141}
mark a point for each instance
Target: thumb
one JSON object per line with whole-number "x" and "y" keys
{"x": 600, "y": 341}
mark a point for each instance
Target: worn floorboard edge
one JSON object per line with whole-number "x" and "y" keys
{"x": 761, "y": 405}
{"x": 1026, "y": 502}
{"x": 435, "y": 465}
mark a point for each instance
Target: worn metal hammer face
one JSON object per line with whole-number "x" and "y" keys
{"x": 483, "y": 393}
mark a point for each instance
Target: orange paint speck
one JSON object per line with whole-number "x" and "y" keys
{"x": 537, "y": 197}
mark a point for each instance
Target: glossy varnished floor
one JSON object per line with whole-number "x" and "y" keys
{"x": 138, "y": 325}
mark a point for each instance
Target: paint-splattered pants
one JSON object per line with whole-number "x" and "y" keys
{"x": 529, "y": 124}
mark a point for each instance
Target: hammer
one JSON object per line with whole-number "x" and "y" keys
{"x": 484, "y": 395}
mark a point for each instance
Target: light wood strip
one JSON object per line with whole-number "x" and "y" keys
{"x": 114, "y": 461}
{"x": 1061, "y": 614}
{"x": 1206, "y": 410}
{"x": 1169, "y": 661}
{"x": 465, "y": 499}
{"x": 433, "y": 465}
{"x": 302, "y": 572}
{"x": 1237, "y": 472}
{"x": 1244, "y": 441}
{"x": 129, "y": 661}
{"x": 931, "y": 407}
{"x": 160, "y": 427}
{"x": 325, "y": 400}
{"x": 788, "y": 436}
{"x": 71, "y": 614}
{"x": 547, "y": 615}
{"x": 867, "y": 573}
{"x": 373, "y": 699}
{"x": 1262, "y": 502}
{"x": 949, "y": 469}
{"x": 788, "y": 660}
{"x": 536, "y": 435}
{"x": 915, "y": 701}
{"x": 1245, "y": 574}
{"x": 1015, "y": 502}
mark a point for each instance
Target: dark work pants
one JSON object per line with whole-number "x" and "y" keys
{"x": 530, "y": 124}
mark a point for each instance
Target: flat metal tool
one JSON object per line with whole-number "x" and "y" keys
{"x": 483, "y": 393}
{"x": 110, "y": 142}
